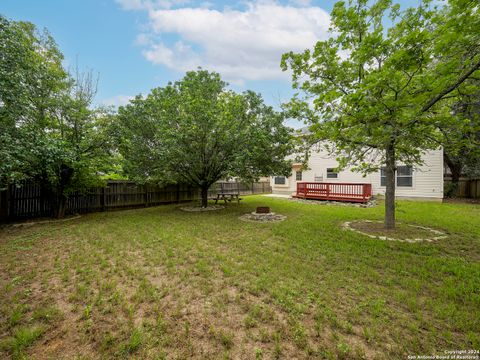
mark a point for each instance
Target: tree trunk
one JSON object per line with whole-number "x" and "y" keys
{"x": 390, "y": 187}
{"x": 61, "y": 206}
{"x": 204, "y": 196}
{"x": 453, "y": 190}
{"x": 65, "y": 175}
{"x": 46, "y": 197}
{"x": 456, "y": 170}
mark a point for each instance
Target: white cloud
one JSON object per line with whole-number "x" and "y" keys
{"x": 143, "y": 39}
{"x": 180, "y": 56}
{"x": 150, "y": 4}
{"x": 240, "y": 44}
{"x": 301, "y": 2}
{"x": 131, "y": 4}
{"x": 117, "y": 100}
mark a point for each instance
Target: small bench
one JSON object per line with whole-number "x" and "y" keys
{"x": 228, "y": 192}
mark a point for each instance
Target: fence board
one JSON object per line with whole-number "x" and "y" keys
{"x": 467, "y": 188}
{"x": 28, "y": 201}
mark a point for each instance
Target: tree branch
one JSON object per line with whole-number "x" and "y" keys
{"x": 452, "y": 87}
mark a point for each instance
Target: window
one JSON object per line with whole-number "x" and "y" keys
{"x": 318, "y": 178}
{"x": 331, "y": 174}
{"x": 298, "y": 175}
{"x": 404, "y": 176}
{"x": 279, "y": 180}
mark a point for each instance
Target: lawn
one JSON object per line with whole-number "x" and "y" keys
{"x": 162, "y": 283}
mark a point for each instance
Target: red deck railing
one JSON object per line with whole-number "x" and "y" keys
{"x": 355, "y": 192}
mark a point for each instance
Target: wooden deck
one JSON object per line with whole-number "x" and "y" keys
{"x": 351, "y": 192}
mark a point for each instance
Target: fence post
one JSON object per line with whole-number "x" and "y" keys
{"x": 145, "y": 196}
{"x": 11, "y": 201}
{"x": 4, "y": 205}
{"x": 178, "y": 193}
{"x": 102, "y": 199}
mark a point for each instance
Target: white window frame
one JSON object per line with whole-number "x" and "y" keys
{"x": 331, "y": 172}
{"x": 409, "y": 176}
{"x": 284, "y": 180}
{"x": 383, "y": 176}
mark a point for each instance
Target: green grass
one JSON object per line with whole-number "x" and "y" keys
{"x": 20, "y": 339}
{"x": 401, "y": 231}
{"x": 162, "y": 283}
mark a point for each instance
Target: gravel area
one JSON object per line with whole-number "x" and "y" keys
{"x": 369, "y": 204}
{"x": 262, "y": 218}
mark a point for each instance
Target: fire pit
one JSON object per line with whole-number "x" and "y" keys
{"x": 262, "y": 214}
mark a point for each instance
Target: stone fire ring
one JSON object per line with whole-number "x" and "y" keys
{"x": 436, "y": 234}
{"x": 262, "y": 218}
{"x": 202, "y": 209}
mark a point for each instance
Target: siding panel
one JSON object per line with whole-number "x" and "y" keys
{"x": 427, "y": 178}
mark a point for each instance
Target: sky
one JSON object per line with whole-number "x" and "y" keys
{"x": 137, "y": 45}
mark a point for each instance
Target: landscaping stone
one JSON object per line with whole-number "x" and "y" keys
{"x": 262, "y": 217}
{"x": 371, "y": 203}
{"x": 202, "y": 209}
{"x": 439, "y": 234}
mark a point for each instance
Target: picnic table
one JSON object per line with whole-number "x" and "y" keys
{"x": 228, "y": 192}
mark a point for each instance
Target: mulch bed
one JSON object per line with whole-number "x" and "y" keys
{"x": 461, "y": 200}
{"x": 369, "y": 204}
{"x": 402, "y": 232}
{"x": 41, "y": 221}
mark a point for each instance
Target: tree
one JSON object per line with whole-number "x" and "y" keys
{"x": 78, "y": 147}
{"x": 196, "y": 132}
{"x": 31, "y": 78}
{"x": 49, "y": 133}
{"x": 461, "y": 138}
{"x": 378, "y": 81}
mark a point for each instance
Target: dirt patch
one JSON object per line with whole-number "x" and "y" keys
{"x": 461, "y": 201}
{"x": 402, "y": 232}
{"x": 43, "y": 221}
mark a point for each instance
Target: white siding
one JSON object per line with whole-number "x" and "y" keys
{"x": 427, "y": 180}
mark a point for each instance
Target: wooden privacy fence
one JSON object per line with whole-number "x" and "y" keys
{"x": 261, "y": 187}
{"x": 467, "y": 188}
{"x": 28, "y": 201}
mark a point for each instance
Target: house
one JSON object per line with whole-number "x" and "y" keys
{"x": 424, "y": 182}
